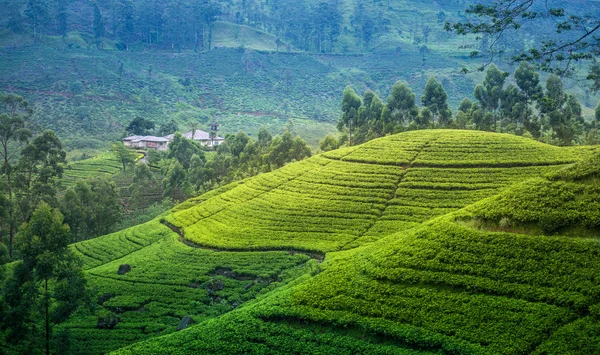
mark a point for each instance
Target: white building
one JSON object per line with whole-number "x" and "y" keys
{"x": 151, "y": 142}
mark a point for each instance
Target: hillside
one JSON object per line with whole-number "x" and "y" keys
{"x": 88, "y": 93}
{"x": 250, "y": 239}
{"x": 440, "y": 287}
{"x": 90, "y": 89}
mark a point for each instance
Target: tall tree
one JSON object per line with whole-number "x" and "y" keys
{"x": 562, "y": 110}
{"x": 401, "y": 107}
{"x": 14, "y": 111}
{"x": 175, "y": 183}
{"x": 15, "y": 19}
{"x": 91, "y": 208}
{"x": 126, "y": 156}
{"x": 351, "y": 103}
{"x": 48, "y": 284}
{"x": 529, "y": 82}
{"x": 210, "y": 10}
{"x": 436, "y": 100}
{"x": 369, "y": 124}
{"x": 126, "y": 32}
{"x": 40, "y": 166}
{"x": 491, "y": 91}
{"x": 287, "y": 148}
{"x": 37, "y": 12}
{"x": 107, "y": 209}
{"x": 182, "y": 149}
{"x": 62, "y": 17}
{"x": 98, "y": 27}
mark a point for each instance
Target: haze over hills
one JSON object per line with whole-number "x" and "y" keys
{"x": 254, "y": 78}
{"x": 405, "y": 269}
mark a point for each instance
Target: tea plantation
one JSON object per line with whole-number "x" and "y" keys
{"x": 104, "y": 165}
{"x": 423, "y": 242}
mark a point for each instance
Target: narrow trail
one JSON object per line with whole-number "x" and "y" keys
{"x": 319, "y": 256}
{"x": 393, "y": 194}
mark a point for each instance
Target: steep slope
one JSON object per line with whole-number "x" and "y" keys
{"x": 442, "y": 287}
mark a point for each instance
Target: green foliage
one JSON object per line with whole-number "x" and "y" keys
{"x": 39, "y": 169}
{"x": 404, "y": 271}
{"x": 439, "y": 287}
{"x": 330, "y": 142}
{"x": 139, "y": 126}
{"x": 168, "y": 280}
{"x": 351, "y": 103}
{"x": 183, "y": 149}
{"x": 46, "y": 287}
{"x": 91, "y": 207}
{"x": 435, "y": 99}
{"x": 124, "y": 155}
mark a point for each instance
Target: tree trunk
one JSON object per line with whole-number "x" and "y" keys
{"x": 11, "y": 231}
{"x": 47, "y": 305}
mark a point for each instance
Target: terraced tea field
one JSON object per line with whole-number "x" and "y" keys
{"x": 168, "y": 280}
{"x": 419, "y": 257}
{"x": 346, "y": 198}
{"x": 104, "y": 165}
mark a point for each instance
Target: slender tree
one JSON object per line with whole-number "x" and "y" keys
{"x": 98, "y": 27}
{"x": 490, "y": 92}
{"x": 62, "y": 17}
{"x": 37, "y": 12}
{"x": 351, "y": 103}
{"x": 14, "y": 111}
{"x": 126, "y": 156}
{"x": 436, "y": 100}
{"x": 49, "y": 283}
{"x": 401, "y": 107}
{"x": 40, "y": 166}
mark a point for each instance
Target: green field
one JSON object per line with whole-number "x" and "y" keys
{"x": 406, "y": 244}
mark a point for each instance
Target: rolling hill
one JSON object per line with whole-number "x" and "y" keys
{"x": 388, "y": 247}
{"x": 444, "y": 286}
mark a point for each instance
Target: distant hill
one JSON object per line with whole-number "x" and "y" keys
{"x": 273, "y": 61}
{"x": 361, "y": 250}
{"x": 87, "y": 92}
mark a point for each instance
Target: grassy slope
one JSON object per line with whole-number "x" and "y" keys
{"x": 441, "y": 287}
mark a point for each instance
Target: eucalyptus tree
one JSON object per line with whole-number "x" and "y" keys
{"x": 351, "y": 103}
{"x": 14, "y": 112}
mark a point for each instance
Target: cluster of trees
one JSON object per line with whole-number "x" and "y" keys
{"x": 518, "y": 105}
{"x": 91, "y": 208}
{"x": 178, "y": 24}
{"x": 369, "y": 117}
{"x": 32, "y": 166}
{"x": 42, "y": 289}
{"x": 187, "y": 171}
{"x": 174, "y": 23}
